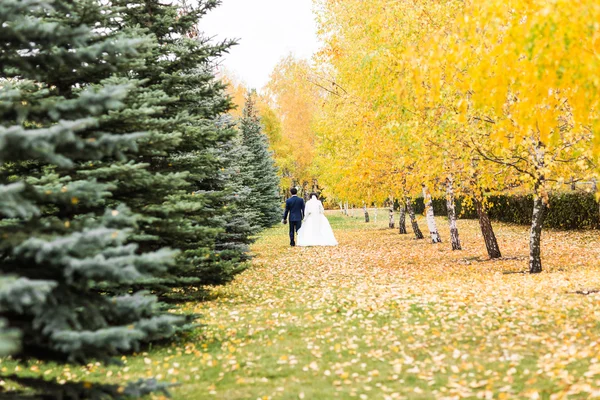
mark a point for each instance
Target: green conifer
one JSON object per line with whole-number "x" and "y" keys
{"x": 183, "y": 197}
{"x": 61, "y": 247}
{"x": 241, "y": 219}
{"x": 260, "y": 167}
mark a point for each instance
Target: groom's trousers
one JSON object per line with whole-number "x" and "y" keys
{"x": 294, "y": 226}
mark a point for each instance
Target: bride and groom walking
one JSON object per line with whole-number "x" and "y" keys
{"x": 315, "y": 229}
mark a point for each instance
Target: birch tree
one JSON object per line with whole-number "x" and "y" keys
{"x": 534, "y": 100}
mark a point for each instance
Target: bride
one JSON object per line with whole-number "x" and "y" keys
{"x": 315, "y": 230}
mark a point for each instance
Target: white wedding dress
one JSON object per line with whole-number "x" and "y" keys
{"x": 315, "y": 230}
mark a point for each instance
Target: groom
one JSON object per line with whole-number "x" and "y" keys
{"x": 294, "y": 206}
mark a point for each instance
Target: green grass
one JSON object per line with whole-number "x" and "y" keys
{"x": 383, "y": 316}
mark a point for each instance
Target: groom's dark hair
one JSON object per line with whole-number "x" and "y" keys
{"x": 294, "y": 191}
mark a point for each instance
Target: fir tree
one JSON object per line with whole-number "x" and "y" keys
{"x": 61, "y": 247}
{"x": 242, "y": 222}
{"x": 261, "y": 172}
{"x": 184, "y": 200}
{"x": 9, "y": 338}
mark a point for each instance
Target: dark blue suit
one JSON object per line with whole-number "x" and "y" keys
{"x": 294, "y": 206}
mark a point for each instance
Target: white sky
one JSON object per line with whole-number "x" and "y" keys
{"x": 268, "y": 30}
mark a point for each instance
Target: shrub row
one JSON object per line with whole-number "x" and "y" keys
{"x": 574, "y": 210}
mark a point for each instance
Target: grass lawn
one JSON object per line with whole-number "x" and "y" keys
{"x": 383, "y": 316}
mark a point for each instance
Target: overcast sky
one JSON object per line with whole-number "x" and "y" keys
{"x": 268, "y": 31}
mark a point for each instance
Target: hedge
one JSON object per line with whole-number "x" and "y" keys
{"x": 573, "y": 210}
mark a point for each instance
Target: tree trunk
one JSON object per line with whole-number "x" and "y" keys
{"x": 346, "y": 209}
{"x": 391, "y": 223}
{"x": 454, "y": 238}
{"x": 535, "y": 236}
{"x": 539, "y": 212}
{"x": 402, "y": 219}
{"x": 366, "y": 213}
{"x": 435, "y": 236}
{"x": 413, "y": 219}
{"x": 342, "y": 208}
{"x": 491, "y": 244}
{"x": 595, "y": 191}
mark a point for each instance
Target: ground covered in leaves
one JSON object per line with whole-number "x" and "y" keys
{"x": 384, "y": 316}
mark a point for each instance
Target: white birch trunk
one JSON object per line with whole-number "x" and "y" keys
{"x": 435, "y": 236}
{"x": 391, "y": 222}
{"x": 539, "y": 211}
{"x": 535, "y": 235}
{"x": 454, "y": 238}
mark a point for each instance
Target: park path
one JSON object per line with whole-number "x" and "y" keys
{"x": 384, "y": 316}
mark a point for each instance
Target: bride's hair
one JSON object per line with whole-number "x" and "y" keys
{"x": 314, "y": 194}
